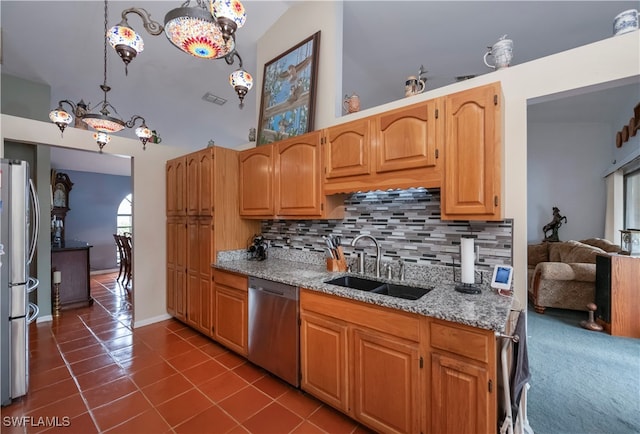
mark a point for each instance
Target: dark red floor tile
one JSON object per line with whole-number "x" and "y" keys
{"x": 212, "y": 420}
{"x": 273, "y": 418}
{"x": 245, "y": 403}
{"x": 166, "y": 389}
{"x": 183, "y": 407}
{"x": 107, "y": 392}
{"x": 222, "y": 386}
{"x": 120, "y": 410}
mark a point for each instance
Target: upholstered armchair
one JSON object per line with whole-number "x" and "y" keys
{"x": 563, "y": 274}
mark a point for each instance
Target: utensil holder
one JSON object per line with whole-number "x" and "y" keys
{"x": 339, "y": 264}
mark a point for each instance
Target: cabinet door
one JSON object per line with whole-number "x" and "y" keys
{"x": 256, "y": 182}
{"x": 297, "y": 174}
{"x": 347, "y": 149}
{"x": 176, "y": 186}
{"x": 386, "y": 382}
{"x": 176, "y": 267}
{"x": 231, "y": 325}
{"x": 193, "y": 183}
{"x": 206, "y": 253}
{"x": 323, "y": 359}
{"x": 406, "y": 138}
{"x": 198, "y": 288}
{"x": 472, "y": 174}
{"x": 206, "y": 180}
{"x": 459, "y": 396}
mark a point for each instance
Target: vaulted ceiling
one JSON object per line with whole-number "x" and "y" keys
{"x": 60, "y": 43}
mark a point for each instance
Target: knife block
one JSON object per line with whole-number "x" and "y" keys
{"x": 339, "y": 264}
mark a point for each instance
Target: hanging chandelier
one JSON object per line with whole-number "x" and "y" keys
{"x": 103, "y": 122}
{"x": 206, "y": 32}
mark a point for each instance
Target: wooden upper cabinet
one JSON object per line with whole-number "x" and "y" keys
{"x": 406, "y": 138}
{"x": 256, "y": 182}
{"x": 472, "y": 171}
{"x": 347, "y": 149}
{"x": 176, "y": 186}
{"x": 298, "y": 179}
{"x": 193, "y": 181}
{"x": 395, "y": 149}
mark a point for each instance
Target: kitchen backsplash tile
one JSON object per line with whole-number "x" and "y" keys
{"x": 406, "y": 223}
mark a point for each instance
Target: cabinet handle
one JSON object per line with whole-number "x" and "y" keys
{"x": 495, "y": 99}
{"x": 421, "y": 362}
{"x": 490, "y": 386}
{"x": 495, "y": 200}
{"x": 437, "y": 113}
{"x": 437, "y": 153}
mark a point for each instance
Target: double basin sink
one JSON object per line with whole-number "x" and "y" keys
{"x": 390, "y": 289}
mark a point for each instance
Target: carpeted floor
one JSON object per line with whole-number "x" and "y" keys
{"x": 581, "y": 381}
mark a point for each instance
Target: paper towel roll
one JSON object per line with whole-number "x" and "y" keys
{"x": 467, "y": 260}
{"x": 57, "y": 276}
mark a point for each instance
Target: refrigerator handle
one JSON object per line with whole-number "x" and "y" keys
{"x": 36, "y": 224}
{"x": 36, "y": 310}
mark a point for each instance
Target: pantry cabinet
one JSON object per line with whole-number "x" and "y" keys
{"x": 363, "y": 360}
{"x": 394, "y": 149}
{"x": 230, "y": 311}
{"x": 197, "y": 230}
{"x": 471, "y": 188}
{"x": 283, "y": 180}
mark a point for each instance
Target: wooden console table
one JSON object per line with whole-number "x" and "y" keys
{"x": 72, "y": 260}
{"x": 618, "y": 294}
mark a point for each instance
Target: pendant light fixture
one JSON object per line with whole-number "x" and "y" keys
{"x": 103, "y": 122}
{"x": 206, "y": 31}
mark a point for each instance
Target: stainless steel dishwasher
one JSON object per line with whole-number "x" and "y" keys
{"x": 274, "y": 334}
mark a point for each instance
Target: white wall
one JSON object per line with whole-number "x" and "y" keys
{"x": 149, "y": 255}
{"x": 565, "y": 164}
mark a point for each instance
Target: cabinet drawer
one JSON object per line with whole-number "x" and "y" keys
{"x": 232, "y": 280}
{"x": 472, "y": 343}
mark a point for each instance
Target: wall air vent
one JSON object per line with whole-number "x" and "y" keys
{"x": 213, "y": 98}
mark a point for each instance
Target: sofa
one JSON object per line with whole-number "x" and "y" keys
{"x": 563, "y": 274}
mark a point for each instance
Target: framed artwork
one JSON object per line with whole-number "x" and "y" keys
{"x": 288, "y": 92}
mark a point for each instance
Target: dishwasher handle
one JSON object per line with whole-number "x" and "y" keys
{"x": 276, "y": 289}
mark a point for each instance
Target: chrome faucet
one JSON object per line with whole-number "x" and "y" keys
{"x": 378, "y": 255}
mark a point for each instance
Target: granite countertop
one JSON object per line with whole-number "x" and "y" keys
{"x": 71, "y": 245}
{"x": 487, "y": 310}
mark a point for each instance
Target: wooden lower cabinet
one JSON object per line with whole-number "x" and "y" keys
{"x": 363, "y": 360}
{"x": 458, "y": 401}
{"x": 386, "y": 382}
{"x": 463, "y": 383}
{"x": 230, "y": 311}
{"x": 397, "y": 372}
{"x": 176, "y": 267}
{"x": 323, "y": 359}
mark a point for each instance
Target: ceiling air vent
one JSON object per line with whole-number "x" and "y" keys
{"x": 213, "y": 98}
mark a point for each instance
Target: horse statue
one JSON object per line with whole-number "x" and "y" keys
{"x": 553, "y": 226}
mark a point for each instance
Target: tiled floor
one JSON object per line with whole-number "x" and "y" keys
{"x": 91, "y": 373}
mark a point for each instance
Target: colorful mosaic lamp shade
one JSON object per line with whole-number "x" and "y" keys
{"x": 194, "y": 31}
{"x": 242, "y": 82}
{"x": 101, "y": 139}
{"x": 144, "y": 134}
{"x": 125, "y": 41}
{"x": 60, "y": 117}
{"x": 229, "y": 14}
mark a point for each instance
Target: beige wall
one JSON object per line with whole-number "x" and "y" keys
{"x": 148, "y": 204}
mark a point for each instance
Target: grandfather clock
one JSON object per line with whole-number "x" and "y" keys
{"x": 61, "y": 188}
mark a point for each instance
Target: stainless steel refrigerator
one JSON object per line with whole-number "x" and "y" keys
{"x": 19, "y": 216}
